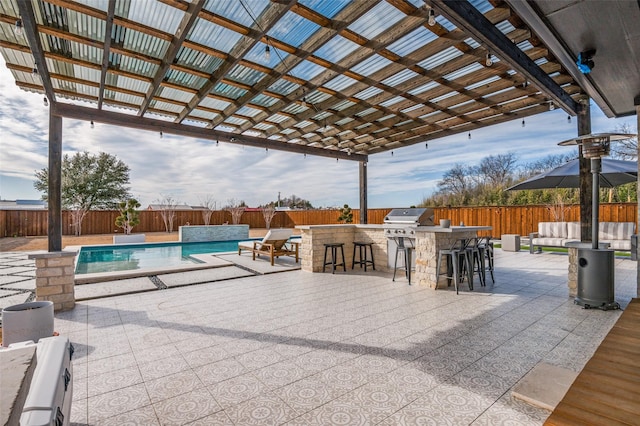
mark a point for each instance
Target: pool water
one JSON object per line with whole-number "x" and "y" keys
{"x": 94, "y": 259}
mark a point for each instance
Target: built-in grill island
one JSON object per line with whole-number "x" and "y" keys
{"x": 401, "y": 224}
{"x": 415, "y": 226}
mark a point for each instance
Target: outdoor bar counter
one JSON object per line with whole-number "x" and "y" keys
{"x": 428, "y": 241}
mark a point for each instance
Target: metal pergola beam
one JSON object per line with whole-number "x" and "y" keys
{"x": 530, "y": 16}
{"x": 143, "y": 123}
{"x": 31, "y": 33}
{"x": 111, "y": 10}
{"x": 464, "y": 15}
{"x": 188, "y": 19}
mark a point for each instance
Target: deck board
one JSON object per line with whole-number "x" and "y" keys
{"x": 607, "y": 390}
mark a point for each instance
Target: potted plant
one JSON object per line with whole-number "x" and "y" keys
{"x": 346, "y": 215}
{"x": 128, "y": 218}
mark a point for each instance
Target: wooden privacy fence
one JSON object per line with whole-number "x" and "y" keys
{"x": 519, "y": 220}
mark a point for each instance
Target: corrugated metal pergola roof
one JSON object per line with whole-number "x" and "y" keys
{"x": 343, "y": 78}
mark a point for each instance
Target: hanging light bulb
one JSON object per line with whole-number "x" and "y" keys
{"x": 267, "y": 53}
{"x": 426, "y": 146}
{"x": 92, "y": 125}
{"x": 552, "y": 106}
{"x": 392, "y": 153}
{"x": 569, "y": 119}
{"x": 337, "y": 160}
{"x": 160, "y": 134}
{"x": 488, "y": 61}
{"x": 217, "y": 142}
{"x": 469, "y": 135}
{"x": 18, "y": 29}
{"x": 432, "y": 17}
{"x": 46, "y": 101}
{"x": 523, "y": 123}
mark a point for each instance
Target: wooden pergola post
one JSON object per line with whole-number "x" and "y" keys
{"x": 363, "y": 192}
{"x": 55, "y": 183}
{"x": 586, "y": 179}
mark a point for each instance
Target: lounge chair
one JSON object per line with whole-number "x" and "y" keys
{"x": 274, "y": 244}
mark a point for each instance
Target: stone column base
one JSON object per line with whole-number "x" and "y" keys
{"x": 55, "y": 278}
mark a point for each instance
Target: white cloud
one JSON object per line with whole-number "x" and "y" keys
{"x": 191, "y": 168}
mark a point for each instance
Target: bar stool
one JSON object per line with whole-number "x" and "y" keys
{"x": 334, "y": 256}
{"x": 476, "y": 254}
{"x": 404, "y": 246}
{"x": 487, "y": 246}
{"x": 362, "y": 252}
{"x": 457, "y": 261}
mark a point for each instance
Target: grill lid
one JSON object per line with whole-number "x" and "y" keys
{"x": 415, "y": 216}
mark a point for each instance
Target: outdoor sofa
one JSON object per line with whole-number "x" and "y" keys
{"x": 558, "y": 234}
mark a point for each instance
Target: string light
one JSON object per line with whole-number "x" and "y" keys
{"x": 267, "y": 53}
{"x": 432, "y": 17}
{"x": 46, "y": 101}
{"x": 92, "y": 125}
{"x": 488, "y": 61}
{"x": 19, "y": 29}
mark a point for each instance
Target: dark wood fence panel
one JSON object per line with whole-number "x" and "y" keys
{"x": 520, "y": 220}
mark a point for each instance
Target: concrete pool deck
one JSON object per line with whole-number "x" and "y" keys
{"x": 310, "y": 348}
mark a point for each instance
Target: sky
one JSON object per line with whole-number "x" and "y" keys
{"x": 190, "y": 170}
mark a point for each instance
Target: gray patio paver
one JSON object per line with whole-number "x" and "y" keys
{"x": 319, "y": 348}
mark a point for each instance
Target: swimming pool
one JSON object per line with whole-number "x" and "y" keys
{"x": 96, "y": 259}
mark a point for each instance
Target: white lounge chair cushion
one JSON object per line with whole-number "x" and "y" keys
{"x": 272, "y": 235}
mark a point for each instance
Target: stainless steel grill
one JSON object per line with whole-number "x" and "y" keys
{"x": 399, "y": 228}
{"x": 402, "y": 222}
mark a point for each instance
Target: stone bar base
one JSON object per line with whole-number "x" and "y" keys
{"x": 55, "y": 278}
{"x": 315, "y": 237}
{"x": 572, "y": 279}
{"x": 428, "y": 246}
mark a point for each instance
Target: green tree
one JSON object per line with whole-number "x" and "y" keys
{"x": 129, "y": 216}
{"x": 88, "y": 182}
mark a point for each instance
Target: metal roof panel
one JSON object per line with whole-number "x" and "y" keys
{"x": 293, "y": 29}
{"x": 379, "y": 18}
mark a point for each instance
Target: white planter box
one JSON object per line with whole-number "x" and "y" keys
{"x": 128, "y": 239}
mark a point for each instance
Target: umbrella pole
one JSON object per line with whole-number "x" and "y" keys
{"x": 596, "y": 168}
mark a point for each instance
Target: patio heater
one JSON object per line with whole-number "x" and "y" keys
{"x": 596, "y": 271}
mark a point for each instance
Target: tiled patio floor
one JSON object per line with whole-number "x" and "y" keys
{"x": 322, "y": 349}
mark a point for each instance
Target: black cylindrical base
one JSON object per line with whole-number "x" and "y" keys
{"x": 596, "y": 279}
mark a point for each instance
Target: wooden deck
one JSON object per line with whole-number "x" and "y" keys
{"x": 607, "y": 391}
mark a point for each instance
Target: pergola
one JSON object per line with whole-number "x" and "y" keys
{"x": 336, "y": 78}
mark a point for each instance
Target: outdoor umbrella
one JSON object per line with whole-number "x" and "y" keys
{"x": 614, "y": 173}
